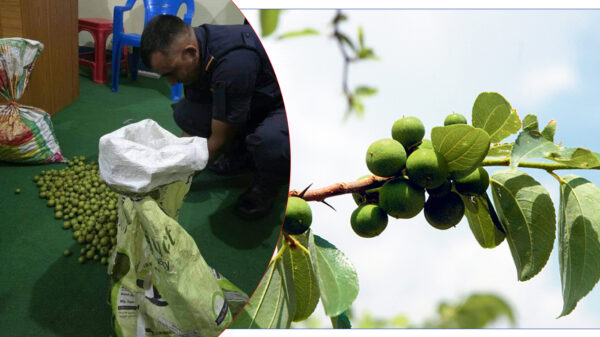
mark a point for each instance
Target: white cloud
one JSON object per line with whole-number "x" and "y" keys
{"x": 540, "y": 84}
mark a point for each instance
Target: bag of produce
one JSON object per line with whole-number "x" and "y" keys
{"x": 160, "y": 283}
{"x": 26, "y": 132}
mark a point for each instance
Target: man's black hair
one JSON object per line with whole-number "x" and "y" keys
{"x": 158, "y": 35}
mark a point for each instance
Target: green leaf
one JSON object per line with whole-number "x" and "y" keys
{"x": 305, "y": 283}
{"x": 476, "y": 312}
{"x": 494, "y": 114}
{"x": 500, "y": 150}
{"x": 336, "y": 276}
{"x": 530, "y": 122}
{"x": 341, "y": 321}
{"x": 357, "y": 107}
{"x": 269, "y": 18}
{"x": 463, "y": 146}
{"x": 339, "y": 18}
{"x": 530, "y": 144}
{"x": 361, "y": 37}
{"x": 578, "y": 243}
{"x": 367, "y": 53}
{"x": 346, "y": 40}
{"x": 549, "y": 130}
{"x": 577, "y": 157}
{"x": 526, "y": 213}
{"x": 273, "y": 303}
{"x": 365, "y": 91}
{"x": 298, "y": 33}
{"x": 483, "y": 220}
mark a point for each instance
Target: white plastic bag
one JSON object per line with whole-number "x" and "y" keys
{"x": 142, "y": 156}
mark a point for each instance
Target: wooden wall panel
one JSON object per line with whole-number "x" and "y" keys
{"x": 36, "y": 27}
{"x": 54, "y": 82}
{"x": 73, "y": 43}
{"x": 10, "y": 18}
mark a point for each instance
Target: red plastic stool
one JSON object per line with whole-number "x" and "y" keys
{"x": 98, "y": 60}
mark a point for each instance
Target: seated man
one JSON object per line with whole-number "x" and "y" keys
{"x": 232, "y": 98}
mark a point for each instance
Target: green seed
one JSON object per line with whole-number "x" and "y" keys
{"x": 67, "y": 253}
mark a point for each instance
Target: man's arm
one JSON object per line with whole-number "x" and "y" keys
{"x": 222, "y": 134}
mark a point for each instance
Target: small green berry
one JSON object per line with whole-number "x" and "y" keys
{"x": 455, "y": 118}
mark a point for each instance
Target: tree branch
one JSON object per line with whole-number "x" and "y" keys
{"x": 532, "y": 164}
{"x": 341, "y": 188}
{"x": 347, "y": 59}
{"x": 375, "y": 181}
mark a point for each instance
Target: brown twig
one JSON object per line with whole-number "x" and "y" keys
{"x": 341, "y": 188}
{"x": 346, "y": 57}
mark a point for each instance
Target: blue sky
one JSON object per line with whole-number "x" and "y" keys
{"x": 433, "y": 62}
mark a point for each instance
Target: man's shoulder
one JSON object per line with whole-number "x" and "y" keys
{"x": 225, "y": 29}
{"x": 232, "y": 41}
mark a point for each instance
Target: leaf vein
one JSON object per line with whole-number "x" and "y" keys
{"x": 262, "y": 297}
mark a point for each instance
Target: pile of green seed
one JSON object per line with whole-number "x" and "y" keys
{"x": 85, "y": 204}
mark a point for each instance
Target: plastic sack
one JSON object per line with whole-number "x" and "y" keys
{"x": 160, "y": 283}
{"x": 142, "y": 156}
{"x": 26, "y": 132}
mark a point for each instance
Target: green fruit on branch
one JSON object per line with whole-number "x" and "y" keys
{"x": 298, "y": 216}
{"x": 475, "y": 183}
{"x": 425, "y": 144}
{"x": 368, "y": 220}
{"x": 386, "y": 157}
{"x": 444, "y": 212}
{"x": 370, "y": 196}
{"x": 441, "y": 190}
{"x": 455, "y": 118}
{"x": 401, "y": 199}
{"x": 408, "y": 131}
{"x": 426, "y": 168}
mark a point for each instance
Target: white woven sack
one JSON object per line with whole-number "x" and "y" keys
{"x": 142, "y": 156}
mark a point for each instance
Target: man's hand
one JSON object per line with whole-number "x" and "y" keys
{"x": 222, "y": 134}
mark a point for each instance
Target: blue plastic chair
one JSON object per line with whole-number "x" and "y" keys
{"x": 121, "y": 39}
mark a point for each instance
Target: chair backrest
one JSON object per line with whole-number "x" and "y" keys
{"x": 157, "y": 7}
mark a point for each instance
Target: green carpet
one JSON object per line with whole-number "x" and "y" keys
{"x": 43, "y": 293}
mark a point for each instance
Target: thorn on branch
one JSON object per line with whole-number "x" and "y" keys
{"x": 304, "y": 191}
{"x": 325, "y": 202}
